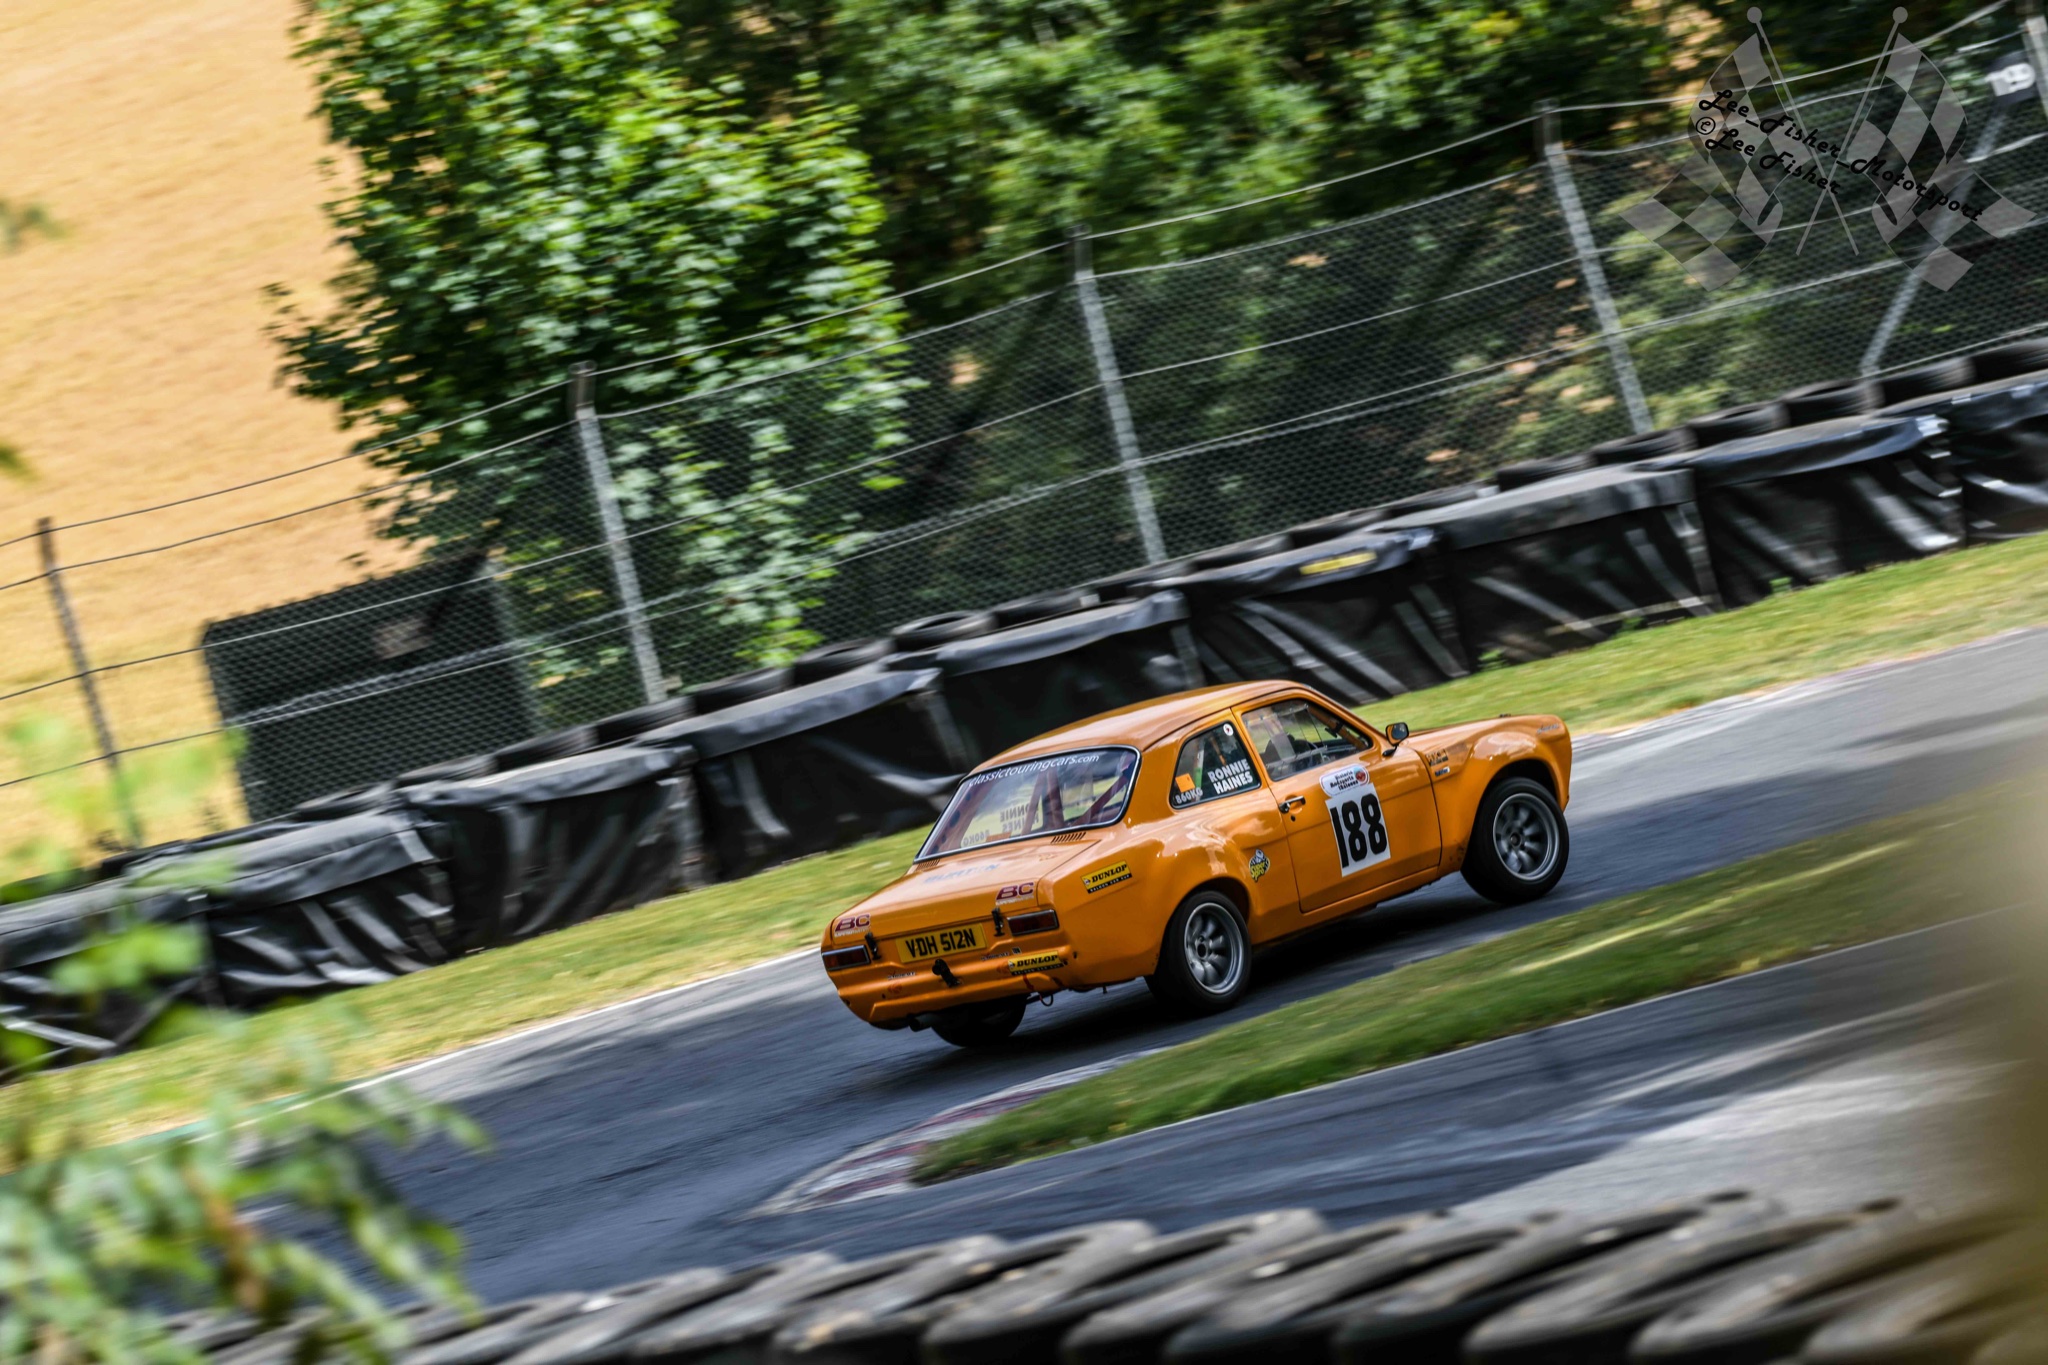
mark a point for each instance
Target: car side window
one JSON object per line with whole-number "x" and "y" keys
{"x": 1212, "y": 764}
{"x": 1295, "y": 735}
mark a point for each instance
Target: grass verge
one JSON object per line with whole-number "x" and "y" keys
{"x": 363, "y": 1032}
{"x": 1866, "y": 883}
{"x": 1888, "y": 613}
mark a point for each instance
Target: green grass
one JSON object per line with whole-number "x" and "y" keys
{"x": 1888, "y": 613}
{"x": 363, "y": 1032}
{"x": 1866, "y": 883}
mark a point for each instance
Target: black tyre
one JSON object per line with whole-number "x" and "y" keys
{"x": 1732, "y": 424}
{"x": 751, "y": 685}
{"x": 980, "y": 1025}
{"x": 930, "y": 631}
{"x": 1333, "y": 527}
{"x": 357, "y": 802}
{"x": 1958, "y": 372}
{"x": 1136, "y": 583}
{"x": 842, "y": 656}
{"x": 625, "y": 725}
{"x": 1243, "y": 552}
{"x": 1519, "y": 842}
{"x": 1430, "y": 501}
{"x": 2012, "y": 359}
{"x": 1205, "y": 959}
{"x": 1043, "y": 607}
{"x": 1835, "y": 398}
{"x": 454, "y": 770}
{"x": 577, "y": 739}
{"x": 1512, "y": 476}
{"x": 1644, "y": 445}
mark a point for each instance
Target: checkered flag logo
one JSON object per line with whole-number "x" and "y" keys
{"x": 1933, "y": 209}
{"x": 1720, "y": 212}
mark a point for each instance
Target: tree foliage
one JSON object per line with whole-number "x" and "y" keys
{"x": 116, "y": 1254}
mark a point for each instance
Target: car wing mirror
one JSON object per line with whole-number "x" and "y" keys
{"x": 1396, "y": 733}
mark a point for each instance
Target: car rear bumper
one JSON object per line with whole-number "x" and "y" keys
{"x": 889, "y": 995}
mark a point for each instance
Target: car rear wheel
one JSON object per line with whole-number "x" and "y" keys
{"x": 1205, "y": 960}
{"x": 980, "y": 1025}
{"x": 1519, "y": 842}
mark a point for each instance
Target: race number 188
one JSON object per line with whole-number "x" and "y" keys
{"x": 1356, "y": 820}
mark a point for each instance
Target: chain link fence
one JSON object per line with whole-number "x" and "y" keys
{"x": 1119, "y": 408}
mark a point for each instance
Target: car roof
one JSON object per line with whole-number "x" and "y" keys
{"x": 1144, "y": 723}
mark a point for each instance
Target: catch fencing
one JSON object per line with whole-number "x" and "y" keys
{"x": 632, "y": 535}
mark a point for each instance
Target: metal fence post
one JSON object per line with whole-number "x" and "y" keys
{"x": 1112, "y": 380}
{"x": 1588, "y": 252}
{"x": 590, "y": 440}
{"x": 53, "y": 574}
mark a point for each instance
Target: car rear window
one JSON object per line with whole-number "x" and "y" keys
{"x": 1076, "y": 790}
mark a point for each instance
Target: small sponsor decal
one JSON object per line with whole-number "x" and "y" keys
{"x": 846, "y": 924}
{"x": 1105, "y": 878}
{"x": 1344, "y": 779}
{"x": 1015, "y": 891}
{"x": 1259, "y": 864}
{"x": 1337, "y": 563}
{"x": 1185, "y": 782}
{"x": 1546, "y": 729}
{"x": 1037, "y": 962}
{"x": 954, "y": 874}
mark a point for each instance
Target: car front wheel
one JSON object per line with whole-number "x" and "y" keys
{"x": 1519, "y": 842}
{"x": 1205, "y": 960}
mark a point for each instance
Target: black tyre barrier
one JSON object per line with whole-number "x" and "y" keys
{"x": 2011, "y": 360}
{"x": 1334, "y": 527}
{"x": 1998, "y": 442}
{"x": 1512, "y": 476}
{"x": 577, "y": 739}
{"x": 847, "y": 1334}
{"x": 638, "y": 721}
{"x": 1732, "y": 424}
{"x": 1135, "y": 1332}
{"x": 1294, "y": 1317}
{"x": 603, "y": 1325}
{"x": 829, "y": 661}
{"x": 1958, "y": 372}
{"x": 1830, "y": 399}
{"x": 1723, "y": 1278}
{"x": 454, "y": 770}
{"x": 946, "y": 627}
{"x": 740, "y": 688}
{"x": 1242, "y": 552}
{"x": 1594, "y": 1317}
{"x": 1135, "y": 583}
{"x": 1767, "y": 1315}
{"x": 1428, "y": 1318}
{"x": 1644, "y": 445}
{"x": 1940, "y": 1314}
{"x": 1436, "y": 497}
{"x": 339, "y": 804}
{"x": 1023, "y": 1320}
{"x": 1043, "y": 607}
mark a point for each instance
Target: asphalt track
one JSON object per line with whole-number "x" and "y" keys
{"x": 641, "y": 1139}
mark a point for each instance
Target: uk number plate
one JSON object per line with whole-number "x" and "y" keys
{"x": 1356, "y": 820}
{"x": 940, "y": 942}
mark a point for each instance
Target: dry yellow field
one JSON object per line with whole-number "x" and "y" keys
{"x": 173, "y": 143}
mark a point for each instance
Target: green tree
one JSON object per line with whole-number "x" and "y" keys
{"x": 534, "y": 186}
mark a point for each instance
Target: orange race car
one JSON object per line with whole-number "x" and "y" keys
{"x": 1168, "y": 839}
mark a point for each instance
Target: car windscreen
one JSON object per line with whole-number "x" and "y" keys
{"x": 1023, "y": 800}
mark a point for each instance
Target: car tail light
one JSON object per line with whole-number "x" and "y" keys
{"x": 1033, "y": 922}
{"x": 839, "y": 959}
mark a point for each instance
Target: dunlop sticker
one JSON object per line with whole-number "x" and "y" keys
{"x": 1037, "y": 962}
{"x": 1105, "y": 878}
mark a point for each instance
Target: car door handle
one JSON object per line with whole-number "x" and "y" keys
{"x": 1293, "y": 803}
